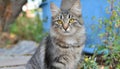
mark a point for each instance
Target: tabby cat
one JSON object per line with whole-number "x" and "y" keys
{"x": 62, "y": 48}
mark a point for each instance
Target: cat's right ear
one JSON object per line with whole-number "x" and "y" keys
{"x": 76, "y": 8}
{"x": 54, "y": 9}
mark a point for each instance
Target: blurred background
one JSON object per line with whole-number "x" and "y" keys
{"x": 23, "y": 24}
{"x": 20, "y": 21}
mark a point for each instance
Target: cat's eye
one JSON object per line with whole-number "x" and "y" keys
{"x": 59, "y": 22}
{"x": 71, "y": 20}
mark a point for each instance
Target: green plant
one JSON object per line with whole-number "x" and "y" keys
{"x": 111, "y": 37}
{"x": 89, "y": 63}
{"x": 28, "y": 28}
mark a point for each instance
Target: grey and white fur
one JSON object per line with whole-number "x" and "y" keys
{"x": 62, "y": 48}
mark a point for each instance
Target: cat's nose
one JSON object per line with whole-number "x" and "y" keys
{"x": 65, "y": 26}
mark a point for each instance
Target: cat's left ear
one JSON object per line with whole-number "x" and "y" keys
{"x": 76, "y": 8}
{"x": 54, "y": 9}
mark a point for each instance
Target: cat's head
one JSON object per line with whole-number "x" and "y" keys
{"x": 66, "y": 22}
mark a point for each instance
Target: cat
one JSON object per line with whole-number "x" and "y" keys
{"x": 62, "y": 48}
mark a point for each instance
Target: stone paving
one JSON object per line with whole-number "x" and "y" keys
{"x": 18, "y": 56}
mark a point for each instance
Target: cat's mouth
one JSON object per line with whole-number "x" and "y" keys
{"x": 66, "y": 32}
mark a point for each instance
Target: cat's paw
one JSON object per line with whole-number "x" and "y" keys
{"x": 63, "y": 60}
{"x": 60, "y": 62}
{"x": 57, "y": 65}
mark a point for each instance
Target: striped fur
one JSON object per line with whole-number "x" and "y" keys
{"x": 62, "y": 48}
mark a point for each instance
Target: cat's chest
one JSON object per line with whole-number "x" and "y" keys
{"x": 67, "y": 43}
{"x": 70, "y": 41}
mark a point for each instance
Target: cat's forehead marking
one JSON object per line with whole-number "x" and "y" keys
{"x": 66, "y": 14}
{"x": 60, "y": 16}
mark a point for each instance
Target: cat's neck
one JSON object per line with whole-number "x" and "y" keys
{"x": 73, "y": 39}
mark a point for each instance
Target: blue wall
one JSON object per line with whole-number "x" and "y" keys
{"x": 92, "y": 11}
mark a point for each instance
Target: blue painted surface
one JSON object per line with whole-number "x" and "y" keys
{"x": 47, "y": 13}
{"x": 90, "y": 9}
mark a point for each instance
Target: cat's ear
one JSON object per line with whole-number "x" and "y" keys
{"x": 54, "y": 9}
{"x": 76, "y": 8}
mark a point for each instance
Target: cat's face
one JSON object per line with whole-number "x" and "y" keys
{"x": 66, "y": 22}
